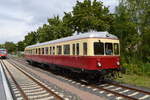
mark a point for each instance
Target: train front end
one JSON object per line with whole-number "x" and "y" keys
{"x": 3, "y": 53}
{"x": 104, "y": 61}
{"x": 107, "y": 56}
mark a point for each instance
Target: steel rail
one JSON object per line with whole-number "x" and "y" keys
{"x": 107, "y": 90}
{"x": 17, "y": 85}
{"x": 130, "y": 88}
{"x": 44, "y": 87}
{"x": 115, "y": 93}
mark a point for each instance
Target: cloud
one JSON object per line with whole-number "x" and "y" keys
{"x": 18, "y": 17}
{"x": 111, "y": 4}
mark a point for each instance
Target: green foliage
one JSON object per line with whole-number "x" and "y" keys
{"x": 85, "y": 16}
{"x": 10, "y": 46}
{"x": 89, "y": 15}
{"x": 55, "y": 29}
{"x": 138, "y": 69}
{"x": 132, "y": 26}
{"x": 125, "y": 29}
{"x": 2, "y": 46}
{"x": 20, "y": 46}
{"x": 145, "y": 44}
{"x": 136, "y": 80}
{"x": 31, "y": 38}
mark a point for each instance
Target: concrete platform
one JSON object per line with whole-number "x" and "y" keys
{"x": 5, "y": 93}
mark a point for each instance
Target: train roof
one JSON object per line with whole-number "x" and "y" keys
{"x": 80, "y": 36}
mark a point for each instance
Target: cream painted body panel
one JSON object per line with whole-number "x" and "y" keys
{"x": 89, "y": 41}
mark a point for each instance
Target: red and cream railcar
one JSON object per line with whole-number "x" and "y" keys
{"x": 95, "y": 53}
{"x": 3, "y": 53}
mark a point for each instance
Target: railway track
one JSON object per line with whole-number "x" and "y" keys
{"x": 115, "y": 89}
{"x": 121, "y": 92}
{"x": 24, "y": 86}
{"x": 124, "y": 92}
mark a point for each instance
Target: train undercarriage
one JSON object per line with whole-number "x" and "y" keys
{"x": 91, "y": 76}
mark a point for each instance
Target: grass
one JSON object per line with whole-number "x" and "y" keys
{"x": 137, "y": 73}
{"x": 136, "y": 80}
{"x": 137, "y": 68}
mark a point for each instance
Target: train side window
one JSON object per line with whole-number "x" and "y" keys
{"x": 78, "y": 49}
{"x": 33, "y": 51}
{"x": 98, "y": 48}
{"x": 108, "y": 48}
{"x": 116, "y": 48}
{"x": 67, "y": 49}
{"x": 59, "y": 50}
{"x": 73, "y": 49}
{"x": 46, "y": 50}
{"x": 85, "y": 48}
{"x": 39, "y": 51}
{"x": 53, "y": 50}
{"x": 42, "y": 50}
{"x": 50, "y": 49}
{"x": 36, "y": 51}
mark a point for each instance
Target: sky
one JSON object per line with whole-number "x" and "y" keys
{"x": 18, "y": 17}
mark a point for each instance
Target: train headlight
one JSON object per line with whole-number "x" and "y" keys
{"x": 118, "y": 63}
{"x": 99, "y": 64}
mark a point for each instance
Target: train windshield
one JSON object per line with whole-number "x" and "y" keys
{"x": 106, "y": 48}
{"x": 2, "y": 51}
{"x": 109, "y": 48}
{"x": 98, "y": 48}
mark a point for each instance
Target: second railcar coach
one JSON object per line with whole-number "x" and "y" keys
{"x": 3, "y": 53}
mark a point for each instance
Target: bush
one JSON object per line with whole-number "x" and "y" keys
{"x": 146, "y": 68}
{"x": 137, "y": 68}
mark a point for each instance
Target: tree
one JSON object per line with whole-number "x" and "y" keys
{"x": 125, "y": 29}
{"x": 31, "y": 38}
{"x": 132, "y": 25}
{"x": 145, "y": 46}
{"x": 21, "y": 46}
{"x": 87, "y": 16}
{"x": 2, "y": 46}
{"x": 45, "y": 33}
{"x": 55, "y": 29}
{"x": 10, "y": 46}
{"x": 59, "y": 27}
